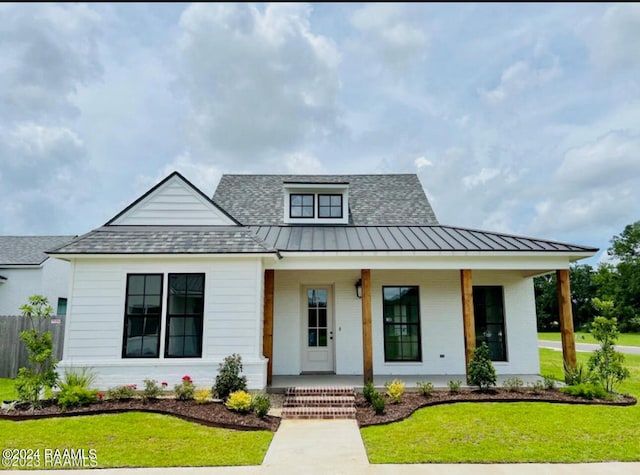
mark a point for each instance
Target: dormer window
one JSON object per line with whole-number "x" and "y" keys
{"x": 319, "y": 203}
{"x": 301, "y": 206}
{"x": 330, "y": 206}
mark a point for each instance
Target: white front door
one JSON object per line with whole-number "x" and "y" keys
{"x": 317, "y": 317}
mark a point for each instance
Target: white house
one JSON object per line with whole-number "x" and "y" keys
{"x": 26, "y": 270}
{"x": 340, "y": 274}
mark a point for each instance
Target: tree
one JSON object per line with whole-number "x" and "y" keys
{"x": 605, "y": 363}
{"x": 626, "y": 246}
{"x": 41, "y": 372}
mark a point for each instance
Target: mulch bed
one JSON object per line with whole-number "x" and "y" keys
{"x": 213, "y": 414}
{"x": 411, "y": 401}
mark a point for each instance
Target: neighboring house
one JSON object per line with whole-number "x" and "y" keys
{"x": 26, "y": 270}
{"x": 345, "y": 275}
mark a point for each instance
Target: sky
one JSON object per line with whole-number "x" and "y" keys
{"x": 517, "y": 118}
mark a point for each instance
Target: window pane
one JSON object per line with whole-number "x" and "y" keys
{"x": 391, "y": 293}
{"x": 191, "y": 346}
{"x": 296, "y": 212}
{"x": 307, "y": 212}
{"x": 311, "y": 298}
{"x": 307, "y": 200}
{"x": 296, "y": 200}
{"x": 324, "y": 200}
{"x": 336, "y": 200}
{"x": 135, "y": 327}
{"x": 153, "y": 285}
{"x": 176, "y": 304}
{"x": 324, "y": 212}
{"x": 195, "y": 284}
{"x": 322, "y": 298}
{"x": 312, "y": 318}
{"x": 194, "y": 304}
{"x": 152, "y": 304}
{"x": 313, "y": 337}
{"x": 322, "y": 318}
{"x": 176, "y": 326}
{"x": 322, "y": 337}
{"x": 177, "y": 284}
{"x": 135, "y": 305}
{"x": 191, "y": 326}
{"x": 150, "y": 345}
{"x": 136, "y": 284}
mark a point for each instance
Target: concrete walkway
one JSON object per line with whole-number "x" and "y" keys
{"x": 309, "y": 447}
{"x": 588, "y": 347}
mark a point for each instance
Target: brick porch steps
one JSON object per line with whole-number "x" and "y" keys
{"x": 328, "y": 402}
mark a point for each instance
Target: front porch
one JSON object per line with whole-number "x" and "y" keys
{"x": 440, "y": 381}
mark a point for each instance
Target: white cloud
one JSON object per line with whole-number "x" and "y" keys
{"x": 258, "y": 82}
{"x": 485, "y": 175}
{"x": 613, "y": 38}
{"x": 422, "y": 162}
{"x": 518, "y": 78}
{"x": 388, "y": 29}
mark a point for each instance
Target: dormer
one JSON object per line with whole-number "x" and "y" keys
{"x": 316, "y": 203}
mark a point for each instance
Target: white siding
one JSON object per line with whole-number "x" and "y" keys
{"x": 232, "y": 316}
{"x": 440, "y": 321}
{"x": 174, "y": 203}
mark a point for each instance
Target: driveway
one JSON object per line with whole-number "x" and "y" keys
{"x": 588, "y": 347}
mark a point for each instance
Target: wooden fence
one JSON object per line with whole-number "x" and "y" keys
{"x": 13, "y": 354}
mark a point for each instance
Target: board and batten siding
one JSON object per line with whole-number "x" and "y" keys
{"x": 174, "y": 204}
{"x": 440, "y": 321}
{"x": 232, "y": 317}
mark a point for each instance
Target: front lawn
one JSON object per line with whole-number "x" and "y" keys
{"x": 139, "y": 440}
{"x": 7, "y": 389}
{"x": 626, "y": 339}
{"x": 514, "y": 432}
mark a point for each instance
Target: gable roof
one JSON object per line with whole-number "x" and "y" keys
{"x": 173, "y": 201}
{"x": 404, "y": 238}
{"x": 28, "y": 250}
{"x": 392, "y": 199}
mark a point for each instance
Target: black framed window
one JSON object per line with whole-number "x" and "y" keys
{"x": 330, "y": 206}
{"x": 488, "y": 308}
{"x": 301, "y": 205}
{"x": 185, "y": 308}
{"x": 143, "y": 312}
{"x": 62, "y": 307}
{"x": 401, "y": 315}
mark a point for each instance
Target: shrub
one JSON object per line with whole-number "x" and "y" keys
{"x": 481, "y": 370}
{"x": 549, "y": 381}
{"x": 74, "y": 389}
{"x": 239, "y": 401}
{"x": 368, "y": 391}
{"x": 513, "y": 384}
{"x": 454, "y": 386}
{"x": 426, "y": 389}
{"x": 185, "y": 390}
{"x": 260, "y": 404}
{"x": 151, "y": 389}
{"x": 378, "y": 403}
{"x": 122, "y": 392}
{"x": 537, "y": 387}
{"x": 606, "y": 364}
{"x": 201, "y": 395}
{"x": 41, "y": 373}
{"x": 228, "y": 379}
{"x": 395, "y": 390}
{"x": 587, "y": 390}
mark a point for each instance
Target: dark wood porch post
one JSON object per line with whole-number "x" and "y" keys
{"x": 367, "y": 346}
{"x": 566, "y": 318}
{"x": 466, "y": 288}
{"x": 267, "y": 332}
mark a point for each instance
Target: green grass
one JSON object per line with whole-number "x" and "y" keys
{"x": 514, "y": 432}
{"x": 139, "y": 440}
{"x": 7, "y": 390}
{"x": 626, "y": 339}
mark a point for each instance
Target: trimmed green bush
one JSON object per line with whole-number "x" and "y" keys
{"x": 454, "y": 386}
{"x": 74, "y": 389}
{"x": 228, "y": 379}
{"x": 152, "y": 389}
{"x": 481, "y": 370}
{"x": 260, "y": 404}
{"x": 513, "y": 385}
{"x": 587, "y": 391}
{"x": 368, "y": 391}
{"x": 185, "y": 391}
{"x": 549, "y": 381}
{"x": 378, "y": 403}
{"x": 122, "y": 392}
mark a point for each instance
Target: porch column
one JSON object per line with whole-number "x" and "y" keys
{"x": 566, "y": 318}
{"x": 367, "y": 345}
{"x": 468, "y": 319}
{"x": 267, "y": 332}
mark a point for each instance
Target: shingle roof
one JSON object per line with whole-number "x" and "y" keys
{"x": 373, "y": 199}
{"x": 165, "y": 240}
{"x": 403, "y": 238}
{"x": 28, "y": 250}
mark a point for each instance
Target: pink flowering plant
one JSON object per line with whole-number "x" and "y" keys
{"x": 185, "y": 391}
{"x": 127, "y": 391}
